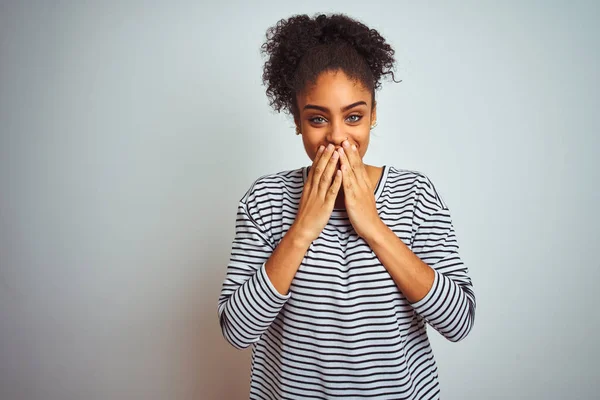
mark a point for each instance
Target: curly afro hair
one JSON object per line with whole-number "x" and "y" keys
{"x": 300, "y": 48}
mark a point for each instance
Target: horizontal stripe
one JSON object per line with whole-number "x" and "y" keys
{"x": 344, "y": 330}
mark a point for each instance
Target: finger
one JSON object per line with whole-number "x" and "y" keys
{"x": 356, "y": 164}
{"x": 322, "y": 163}
{"x": 348, "y": 174}
{"x": 354, "y": 158}
{"x": 315, "y": 161}
{"x": 334, "y": 189}
{"x": 349, "y": 153}
{"x": 348, "y": 177}
{"x": 330, "y": 168}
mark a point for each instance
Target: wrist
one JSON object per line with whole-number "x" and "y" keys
{"x": 378, "y": 234}
{"x": 298, "y": 236}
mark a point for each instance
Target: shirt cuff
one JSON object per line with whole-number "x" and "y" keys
{"x": 431, "y": 296}
{"x": 267, "y": 286}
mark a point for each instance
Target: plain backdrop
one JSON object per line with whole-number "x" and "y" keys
{"x": 129, "y": 132}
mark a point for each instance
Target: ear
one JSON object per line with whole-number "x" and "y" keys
{"x": 374, "y": 112}
{"x": 297, "y": 122}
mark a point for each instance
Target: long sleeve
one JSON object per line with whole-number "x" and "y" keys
{"x": 450, "y": 304}
{"x": 248, "y": 302}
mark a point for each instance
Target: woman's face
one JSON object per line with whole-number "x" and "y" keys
{"x": 334, "y": 109}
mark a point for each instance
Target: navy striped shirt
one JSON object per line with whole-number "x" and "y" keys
{"x": 344, "y": 330}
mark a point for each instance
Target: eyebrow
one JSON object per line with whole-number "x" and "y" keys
{"x": 325, "y": 109}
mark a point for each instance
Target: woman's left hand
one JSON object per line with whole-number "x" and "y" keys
{"x": 359, "y": 195}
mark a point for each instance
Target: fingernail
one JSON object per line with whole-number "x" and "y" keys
{"x": 321, "y": 148}
{"x": 354, "y": 147}
{"x": 346, "y": 143}
{"x": 329, "y": 146}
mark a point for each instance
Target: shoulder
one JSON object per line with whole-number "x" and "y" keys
{"x": 273, "y": 184}
{"x": 263, "y": 201}
{"x": 418, "y": 184}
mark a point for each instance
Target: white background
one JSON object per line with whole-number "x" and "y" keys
{"x": 130, "y": 131}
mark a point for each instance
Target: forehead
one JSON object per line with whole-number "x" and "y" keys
{"x": 334, "y": 87}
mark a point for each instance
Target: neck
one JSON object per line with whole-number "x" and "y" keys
{"x": 339, "y": 200}
{"x": 374, "y": 175}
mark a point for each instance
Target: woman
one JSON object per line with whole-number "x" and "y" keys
{"x": 336, "y": 268}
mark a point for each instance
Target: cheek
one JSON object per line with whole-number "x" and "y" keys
{"x": 311, "y": 150}
{"x": 362, "y": 150}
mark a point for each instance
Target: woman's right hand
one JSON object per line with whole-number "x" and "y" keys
{"x": 319, "y": 193}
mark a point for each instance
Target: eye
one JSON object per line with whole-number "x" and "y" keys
{"x": 314, "y": 120}
{"x": 320, "y": 120}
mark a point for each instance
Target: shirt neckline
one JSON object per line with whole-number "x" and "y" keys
{"x": 377, "y": 191}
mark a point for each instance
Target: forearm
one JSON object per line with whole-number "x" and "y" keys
{"x": 413, "y": 277}
{"x": 258, "y": 274}
{"x": 445, "y": 300}
{"x": 251, "y": 298}
{"x": 282, "y": 265}
{"x": 246, "y": 311}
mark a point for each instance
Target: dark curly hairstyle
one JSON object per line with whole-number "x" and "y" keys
{"x": 300, "y": 48}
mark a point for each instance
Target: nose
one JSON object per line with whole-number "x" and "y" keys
{"x": 336, "y": 135}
